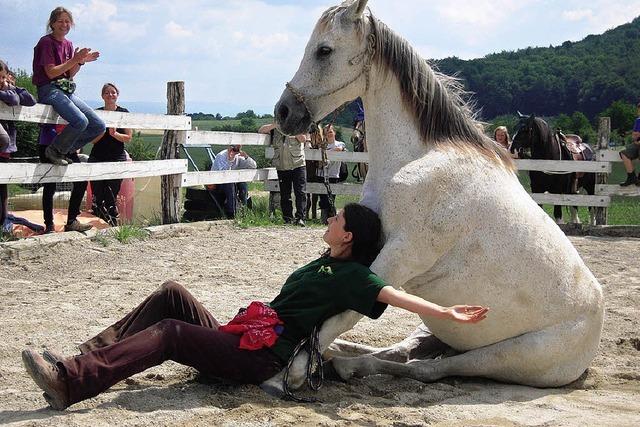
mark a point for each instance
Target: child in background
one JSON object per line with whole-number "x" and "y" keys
{"x": 10, "y": 95}
{"x": 55, "y": 63}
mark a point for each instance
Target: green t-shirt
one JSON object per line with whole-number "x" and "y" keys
{"x": 320, "y": 290}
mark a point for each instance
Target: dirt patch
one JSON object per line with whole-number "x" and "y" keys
{"x": 70, "y": 291}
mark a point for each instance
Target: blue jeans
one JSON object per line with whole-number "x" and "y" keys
{"x": 84, "y": 124}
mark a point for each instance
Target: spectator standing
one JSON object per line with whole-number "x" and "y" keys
{"x": 109, "y": 148}
{"x": 10, "y": 95}
{"x": 233, "y": 158}
{"x": 631, "y": 153}
{"x": 288, "y": 159}
{"x": 55, "y": 63}
{"x": 327, "y": 205}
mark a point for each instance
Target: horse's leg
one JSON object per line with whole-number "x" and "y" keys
{"x": 420, "y": 344}
{"x": 538, "y": 358}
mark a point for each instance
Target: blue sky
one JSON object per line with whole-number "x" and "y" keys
{"x": 237, "y": 54}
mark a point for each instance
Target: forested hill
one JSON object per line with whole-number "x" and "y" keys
{"x": 583, "y": 76}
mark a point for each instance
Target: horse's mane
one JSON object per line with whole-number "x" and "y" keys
{"x": 437, "y": 101}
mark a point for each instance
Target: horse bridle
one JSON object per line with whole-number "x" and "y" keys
{"x": 366, "y": 57}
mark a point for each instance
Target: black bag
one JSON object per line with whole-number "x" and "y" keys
{"x": 344, "y": 172}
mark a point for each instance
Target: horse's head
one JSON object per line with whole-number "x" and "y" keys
{"x": 334, "y": 68}
{"x": 524, "y": 136}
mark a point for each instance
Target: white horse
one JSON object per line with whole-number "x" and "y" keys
{"x": 459, "y": 227}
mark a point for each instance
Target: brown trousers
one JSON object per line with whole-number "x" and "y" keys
{"x": 169, "y": 325}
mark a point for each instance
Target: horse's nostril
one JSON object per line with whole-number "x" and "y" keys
{"x": 283, "y": 112}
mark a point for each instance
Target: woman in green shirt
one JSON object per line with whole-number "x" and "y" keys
{"x": 172, "y": 325}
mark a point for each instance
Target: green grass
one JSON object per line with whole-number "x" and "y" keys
{"x": 124, "y": 234}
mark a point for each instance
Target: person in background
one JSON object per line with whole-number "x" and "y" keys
{"x": 288, "y": 159}
{"x": 501, "y": 136}
{"x": 327, "y": 205}
{"x": 109, "y": 148}
{"x": 631, "y": 153}
{"x": 47, "y": 135}
{"x": 10, "y": 95}
{"x": 233, "y": 158}
{"x": 55, "y": 63}
{"x": 257, "y": 344}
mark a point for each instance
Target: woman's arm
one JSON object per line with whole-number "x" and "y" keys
{"x": 415, "y": 304}
{"x": 79, "y": 57}
{"x": 122, "y": 137}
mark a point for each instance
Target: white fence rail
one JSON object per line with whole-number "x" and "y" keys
{"x": 178, "y": 128}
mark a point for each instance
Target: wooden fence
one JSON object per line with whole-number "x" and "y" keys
{"x": 175, "y": 174}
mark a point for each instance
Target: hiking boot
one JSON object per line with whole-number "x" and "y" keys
{"x": 631, "y": 179}
{"x": 77, "y": 226}
{"x": 299, "y": 222}
{"x": 49, "y": 229}
{"x": 48, "y": 377}
{"x": 54, "y": 157}
{"x": 52, "y": 356}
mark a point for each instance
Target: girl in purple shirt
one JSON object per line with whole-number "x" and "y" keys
{"x": 55, "y": 63}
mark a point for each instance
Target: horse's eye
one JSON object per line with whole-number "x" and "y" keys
{"x": 324, "y": 51}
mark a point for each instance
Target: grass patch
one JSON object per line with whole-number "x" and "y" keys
{"x": 7, "y": 237}
{"x": 124, "y": 234}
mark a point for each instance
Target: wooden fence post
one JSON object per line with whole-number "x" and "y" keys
{"x": 170, "y": 186}
{"x": 604, "y": 134}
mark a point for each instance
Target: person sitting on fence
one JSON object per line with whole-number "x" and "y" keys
{"x": 288, "y": 159}
{"x": 48, "y": 133}
{"x": 631, "y": 153}
{"x": 233, "y": 158}
{"x": 55, "y": 63}
{"x": 327, "y": 205}
{"x": 172, "y": 325}
{"x": 10, "y": 95}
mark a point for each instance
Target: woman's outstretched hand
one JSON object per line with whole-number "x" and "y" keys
{"x": 467, "y": 313}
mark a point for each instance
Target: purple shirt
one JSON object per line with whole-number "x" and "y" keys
{"x": 636, "y": 125}
{"x": 47, "y": 134}
{"x": 50, "y": 51}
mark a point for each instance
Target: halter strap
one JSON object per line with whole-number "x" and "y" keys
{"x": 366, "y": 57}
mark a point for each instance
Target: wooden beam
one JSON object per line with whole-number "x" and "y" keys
{"x": 41, "y": 113}
{"x": 562, "y": 166}
{"x": 604, "y": 135}
{"x": 170, "y": 185}
{"x": 338, "y": 156}
{"x": 319, "y": 188}
{"x": 616, "y": 190}
{"x": 206, "y": 138}
{"x": 41, "y": 173}
{"x": 191, "y": 179}
{"x": 570, "y": 199}
{"x": 608, "y": 155}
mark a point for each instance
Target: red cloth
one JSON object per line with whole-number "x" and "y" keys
{"x": 257, "y": 325}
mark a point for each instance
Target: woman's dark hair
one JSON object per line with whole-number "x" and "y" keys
{"x": 366, "y": 228}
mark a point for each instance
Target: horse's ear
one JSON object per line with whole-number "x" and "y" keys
{"x": 520, "y": 115}
{"x": 355, "y": 9}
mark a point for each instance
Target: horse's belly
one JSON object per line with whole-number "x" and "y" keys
{"x": 521, "y": 298}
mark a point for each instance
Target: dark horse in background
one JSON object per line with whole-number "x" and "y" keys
{"x": 535, "y": 140}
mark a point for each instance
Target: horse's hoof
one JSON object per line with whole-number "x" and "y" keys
{"x": 345, "y": 367}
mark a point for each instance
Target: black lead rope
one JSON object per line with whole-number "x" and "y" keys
{"x": 315, "y": 374}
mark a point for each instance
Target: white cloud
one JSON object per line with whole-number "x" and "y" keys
{"x": 95, "y": 12}
{"x": 577, "y": 15}
{"x": 176, "y": 30}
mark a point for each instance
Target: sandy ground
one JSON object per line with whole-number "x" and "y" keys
{"x": 71, "y": 291}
